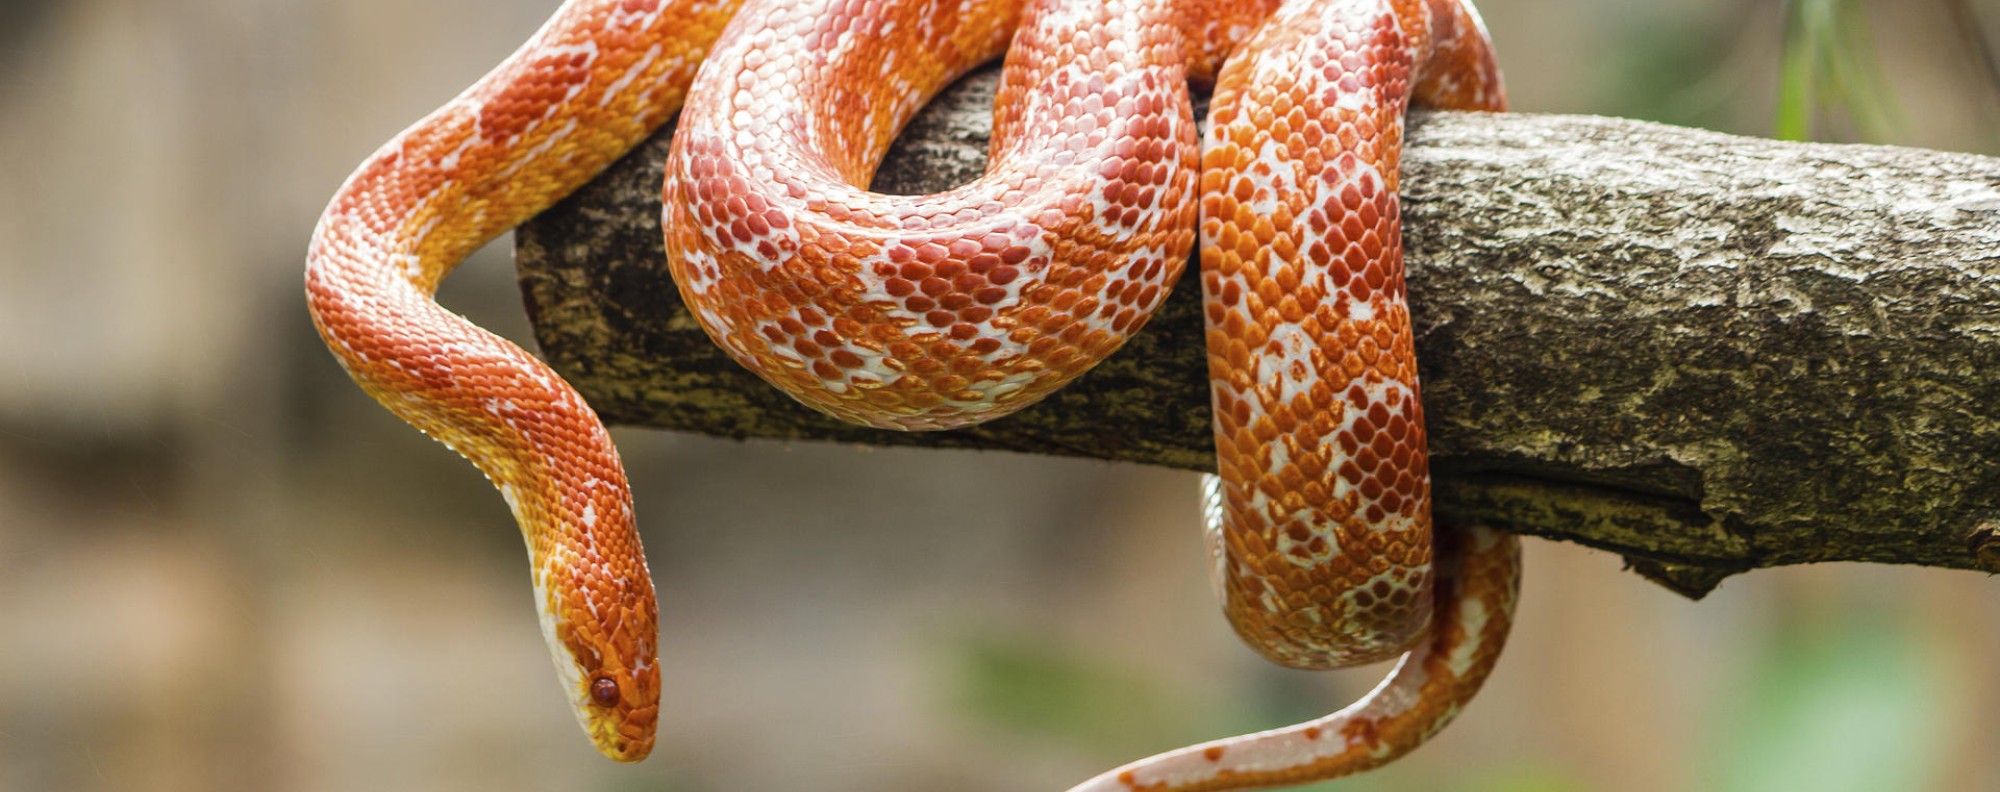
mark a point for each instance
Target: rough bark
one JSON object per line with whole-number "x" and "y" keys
{"x": 1708, "y": 353}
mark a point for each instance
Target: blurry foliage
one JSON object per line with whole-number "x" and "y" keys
{"x": 1526, "y": 779}
{"x": 1676, "y": 67}
{"x": 1690, "y": 68}
{"x": 1835, "y": 704}
{"x": 1841, "y": 703}
{"x": 1830, "y": 76}
{"x": 1041, "y": 689}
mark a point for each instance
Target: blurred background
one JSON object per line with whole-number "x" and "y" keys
{"x": 223, "y": 568}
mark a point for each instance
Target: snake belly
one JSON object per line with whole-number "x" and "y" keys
{"x": 931, "y": 312}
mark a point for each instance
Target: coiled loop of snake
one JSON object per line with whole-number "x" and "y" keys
{"x": 930, "y": 312}
{"x": 937, "y": 311}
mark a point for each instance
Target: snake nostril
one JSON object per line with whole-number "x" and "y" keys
{"x": 604, "y": 691}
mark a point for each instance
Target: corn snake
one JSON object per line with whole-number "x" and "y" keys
{"x": 930, "y": 312}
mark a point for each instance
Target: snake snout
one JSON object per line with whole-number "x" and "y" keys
{"x": 620, "y": 711}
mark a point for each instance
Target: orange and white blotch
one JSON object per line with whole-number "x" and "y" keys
{"x": 930, "y": 312}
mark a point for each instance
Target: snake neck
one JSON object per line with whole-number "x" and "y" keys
{"x": 596, "y": 79}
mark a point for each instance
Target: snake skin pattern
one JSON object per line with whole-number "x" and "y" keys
{"x": 929, "y": 312}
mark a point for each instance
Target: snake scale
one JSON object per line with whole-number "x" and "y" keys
{"x": 938, "y": 311}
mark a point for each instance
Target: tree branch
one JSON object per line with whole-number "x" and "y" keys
{"x": 1707, "y": 353}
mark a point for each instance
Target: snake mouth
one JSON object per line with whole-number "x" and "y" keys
{"x": 620, "y": 749}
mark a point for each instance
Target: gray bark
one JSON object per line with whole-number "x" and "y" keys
{"x": 1707, "y": 353}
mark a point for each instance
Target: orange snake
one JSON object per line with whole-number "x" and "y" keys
{"x": 928, "y": 312}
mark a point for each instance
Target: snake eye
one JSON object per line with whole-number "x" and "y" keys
{"x": 604, "y": 691}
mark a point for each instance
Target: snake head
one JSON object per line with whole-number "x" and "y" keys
{"x": 608, "y": 663}
{"x": 601, "y": 622}
{"x": 620, "y": 709}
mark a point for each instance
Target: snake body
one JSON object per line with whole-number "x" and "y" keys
{"x": 929, "y": 312}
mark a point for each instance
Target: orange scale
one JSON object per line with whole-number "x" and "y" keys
{"x": 1098, "y": 343}
{"x": 881, "y": 397}
{"x": 901, "y": 351}
{"x": 1398, "y": 427}
{"x": 1384, "y": 335}
{"x": 968, "y": 366}
{"x": 1383, "y": 447}
{"x": 927, "y": 253}
{"x": 1349, "y": 137}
